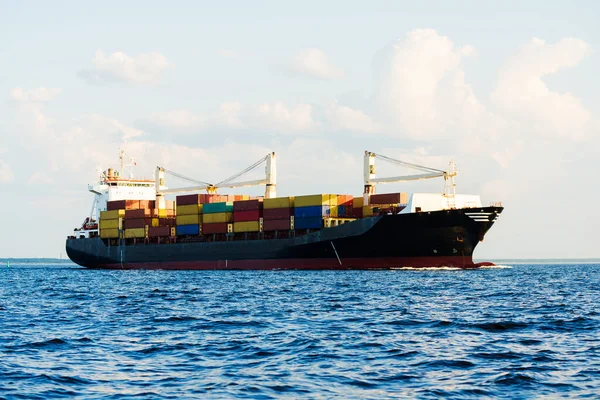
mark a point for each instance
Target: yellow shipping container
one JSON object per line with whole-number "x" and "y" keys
{"x": 217, "y": 217}
{"x": 190, "y": 209}
{"x": 162, "y": 212}
{"x": 155, "y": 222}
{"x": 188, "y": 219}
{"x": 368, "y": 211}
{"x": 333, "y": 200}
{"x": 109, "y": 233}
{"x": 313, "y": 200}
{"x": 358, "y": 202}
{"x": 278, "y": 202}
{"x": 248, "y": 226}
{"x": 135, "y": 233}
{"x": 111, "y": 223}
{"x": 112, "y": 214}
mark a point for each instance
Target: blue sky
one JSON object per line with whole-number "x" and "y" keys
{"x": 510, "y": 91}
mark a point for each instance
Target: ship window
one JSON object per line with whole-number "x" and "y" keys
{"x": 417, "y": 209}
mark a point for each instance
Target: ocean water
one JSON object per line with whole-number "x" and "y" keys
{"x": 516, "y": 332}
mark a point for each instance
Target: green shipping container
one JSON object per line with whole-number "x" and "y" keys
{"x": 278, "y": 202}
{"x": 223, "y": 207}
{"x": 313, "y": 200}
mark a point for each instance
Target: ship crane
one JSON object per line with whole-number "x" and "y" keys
{"x": 428, "y": 173}
{"x": 232, "y": 182}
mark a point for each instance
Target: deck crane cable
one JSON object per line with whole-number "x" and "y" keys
{"x": 242, "y": 173}
{"x": 410, "y": 165}
{"x": 185, "y": 178}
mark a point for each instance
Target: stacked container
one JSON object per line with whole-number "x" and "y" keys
{"x": 385, "y": 203}
{"x": 310, "y": 210}
{"x": 278, "y": 214}
{"x": 111, "y": 223}
{"x": 357, "y": 207}
{"x": 217, "y": 217}
{"x": 136, "y": 222}
{"x": 344, "y": 206}
{"x": 247, "y": 216}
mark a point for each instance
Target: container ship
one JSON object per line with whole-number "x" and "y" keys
{"x": 132, "y": 224}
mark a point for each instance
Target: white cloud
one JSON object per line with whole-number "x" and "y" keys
{"x": 314, "y": 63}
{"x": 227, "y": 53}
{"x": 278, "y": 117}
{"x": 41, "y": 94}
{"x": 40, "y": 177}
{"x": 118, "y": 66}
{"x": 346, "y": 118}
{"x": 522, "y": 93}
{"x": 6, "y": 174}
{"x": 421, "y": 89}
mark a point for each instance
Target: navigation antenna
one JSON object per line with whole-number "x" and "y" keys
{"x": 126, "y": 162}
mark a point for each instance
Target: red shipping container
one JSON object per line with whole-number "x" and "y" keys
{"x": 137, "y": 223}
{"x": 242, "y": 216}
{"x": 276, "y": 225}
{"x": 386, "y": 198}
{"x": 115, "y": 205}
{"x": 247, "y": 205}
{"x": 277, "y": 213}
{"x": 188, "y": 199}
{"x": 166, "y": 221}
{"x": 357, "y": 212}
{"x": 208, "y": 229}
{"x": 159, "y": 231}
{"x": 139, "y": 213}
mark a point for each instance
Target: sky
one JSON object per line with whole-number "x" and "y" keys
{"x": 510, "y": 91}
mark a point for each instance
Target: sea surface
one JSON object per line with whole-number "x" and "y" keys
{"x": 520, "y": 331}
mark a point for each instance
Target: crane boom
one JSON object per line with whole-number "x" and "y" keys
{"x": 269, "y": 181}
{"x": 430, "y": 173}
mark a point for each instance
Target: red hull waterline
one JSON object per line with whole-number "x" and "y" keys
{"x": 306, "y": 264}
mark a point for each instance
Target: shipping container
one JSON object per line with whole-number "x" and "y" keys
{"x": 241, "y": 216}
{"x": 344, "y": 200}
{"x": 333, "y": 211}
{"x": 163, "y": 213}
{"x": 312, "y": 200}
{"x": 209, "y": 229}
{"x": 277, "y": 213}
{"x": 357, "y": 212}
{"x": 246, "y": 226}
{"x": 217, "y": 218}
{"x": 341, "y": 211}
{"x": 135, "y": 233}
{"x": 188, "y": 199}
{"x": 155, "y": 222}
{"x": 166, "y": 221}
{"x": 333, "y": 200}
{"x": 279, "y": 202}
{"x": 192, "y": 229}
{"x": 190, "y": 209}
{"x": 112, "y": 214}
{"x": 188, "y": 219}
{"x": 111, "y": 223}
{"x": 276, "y": 225}
{"x": 247, "y": 205}
{"x": 308, "y": 223}
{"x": 389, "y": 198}
{"x": 159, "y": 231}
{"x": 136, "y": 223}
{"x": 139, "y": 213}
{"x": 312, "y": 211}
{"x": 222, "y": 207}
{"x": 358, "y": 202}
{"x": 109, "y": 233}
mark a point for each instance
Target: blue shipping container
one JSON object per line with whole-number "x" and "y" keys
{"x": 211, "y": 208}
{"x": 311, "y": 211}
{"x": 341, "y": 211}
{"x": 188, "y": 230}
{"x": 308, "y": 223}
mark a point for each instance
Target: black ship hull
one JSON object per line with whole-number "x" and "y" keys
{"x": 444, "y": 238}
